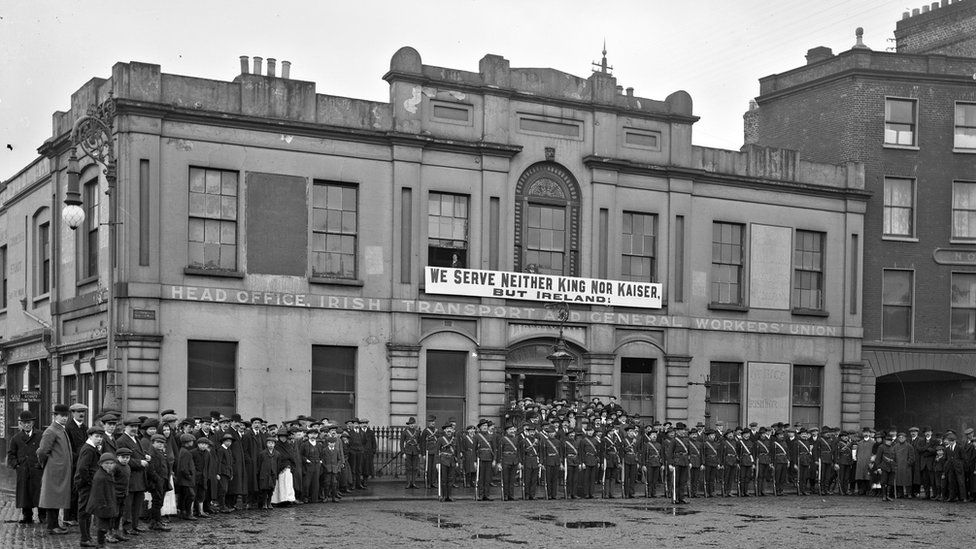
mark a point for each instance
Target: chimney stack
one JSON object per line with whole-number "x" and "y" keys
{"x": 244, "y": 60}
{"x": 630, "y": 92}
{"x": 286, "y": 69}
{"x": 819, "y": 54}
{"x": 257, "y": 65}
{"x": 271, "y": 66}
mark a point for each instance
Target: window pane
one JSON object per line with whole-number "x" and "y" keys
{"x": 211, "y": 377}
{"x": 897, "y": 288}
{"x": 333, "y": 368}
{"x": 445, "y": 373}
{"x": 897, "y": 110}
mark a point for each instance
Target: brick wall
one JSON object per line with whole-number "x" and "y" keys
{"x": 843, "y": 120}
{"x": 947, "y": 30}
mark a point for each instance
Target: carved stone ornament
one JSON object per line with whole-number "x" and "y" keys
{"x": 547, "y": 188}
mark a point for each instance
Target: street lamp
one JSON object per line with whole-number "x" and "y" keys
{"x": 560, "y": 357}
{"x": 92, "y": 133}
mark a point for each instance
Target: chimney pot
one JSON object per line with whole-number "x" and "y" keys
{"x": 819, "y": 54}
{"x": 935, "y": 5}
{"x": 271, "y": 66}
{"x": 630, "y": 92}
{"x": 905, "y": 15}
{"x": 916, "y": 11}
{"x": 257, "y": 65}
{"x": 945, "y": 3}
{"x": 286, "y": 69}
{"x": 244, "y": 60}
{"x": 925, "y": 9}
{"x": 620, "y": 90}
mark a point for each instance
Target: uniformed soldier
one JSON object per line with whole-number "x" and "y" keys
{"x": 747, "y": 462}
{"x": 410, "y": 446}
{"x": 845, "y": 464}
{"x": 571, "y": 466}
{"x": 428, "y": 440}
{"x": 448, "y": 455}
{"x": 652, "y": 454}
{"x": 696, "y": 466}
{"x": 552, "y": 461}
{"x": 508, "y": 452}
{"x": 530, "y": 458}
{"x": 764, "y": 461}
{"x": 611, "y": 461}
{"x": 486, "y": 460}
{"x": 589, "y": 450}
{"x": 469, "y": 460}
{"x": 802, "y": 462}
{"x": 630, "y": 458}
{"x": 712, "y": 462}
{"x": 678, "y": 463}
{"x": 729, "y": 452}
{"x": 782, "y": 463}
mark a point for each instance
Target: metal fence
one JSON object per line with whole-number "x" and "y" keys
{"x": 388, "y": 462}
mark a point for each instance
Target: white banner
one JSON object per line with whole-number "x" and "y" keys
{"x": 540, "y": 287}
{"x": 769, "y": 391}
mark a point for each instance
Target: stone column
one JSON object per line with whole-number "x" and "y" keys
{"x": 850, "y": 395}
{"x": 599, "y": 368}
{"x": 139, "y": 365}
{"x": 868, "y": 381}
{"x": 676, "y": 392}
{"x": 491, "y": 382}
{"x": 404, "y": 364}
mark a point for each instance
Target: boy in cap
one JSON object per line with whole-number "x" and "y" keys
{"x": 267, "y": 466}
{"x": 447, "y": 459}
{"x": 85, "y": 468}
{"x": 22, "y": 457}
{"x": 202, "y": 466}
{"x": 225, "y": 471}
{"x": 102, "y": 503}
{"x": 122, "y": 474}
{"x": 428, "y": 440}
{"x": 185, "y": 475}
{"x": 157, "y": 480}
{"x": 332, "y": 462}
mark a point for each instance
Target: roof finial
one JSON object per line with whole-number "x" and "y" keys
{"x": 859, "y": 34}
{"x": 602, "y": 65}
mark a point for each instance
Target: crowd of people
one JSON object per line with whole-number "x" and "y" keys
{"x": 109, "y": 480}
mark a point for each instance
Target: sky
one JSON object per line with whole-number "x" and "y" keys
{"x": 716, "y": 50}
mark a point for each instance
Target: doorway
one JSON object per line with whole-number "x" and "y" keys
{"x": 540, "y": 387}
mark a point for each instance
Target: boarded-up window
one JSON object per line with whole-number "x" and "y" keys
{"x": 277, "y": 224}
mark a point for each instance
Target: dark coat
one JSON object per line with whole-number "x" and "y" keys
{"x": 238, "y": 481}
{"x": 331, "y": 459}
{"x": 122, "y": 474}
{"x": 101, "y": 501}
{"x": 225, "y": 463}
{"x": 251, "y": 446}
{"x": 137, "y": 481}
{"x": 77, "y": 435}
{"x": 22, "y": 457}
{"x": 268, "y": 469}
{"x": 203, "y": 467}
{"x": 904, "y": 463}
{"x": 186, "y": 471}
{"x": 158, "y": 472}
{"x": 924, "y": 454}
{"x": 54, "y": 454}
{"x": 86, "y": 467}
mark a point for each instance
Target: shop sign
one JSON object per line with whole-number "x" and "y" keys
{"x": 952, "y": 256}
{"x": 541, "y": 287}
{"x": 27, "y": 396}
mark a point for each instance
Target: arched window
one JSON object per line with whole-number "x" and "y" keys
{"x": 547, "y": 220}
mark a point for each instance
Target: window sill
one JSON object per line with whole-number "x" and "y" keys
{"x": 87, "y": 280}
{"x": 728, "y": 307}
{"x": 40, "y": 298}
{"x": 964, "y": 242}
{"x": 900, "y": 147}
{"x": 3, "y": 311}
{"x": 810, "y": 312}
{"x": 900, "y": 238}
{"x": 335, "y": 281}
{"x": 220, "y": 273}
{"x": 964, "y": 151}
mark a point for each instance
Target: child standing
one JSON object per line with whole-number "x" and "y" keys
{"x": 225, "y": 471}
{"x": 267, "y": 473}
{"x": 201, "y": 466}
{"x": 102, "y": 502}
{"x": 185, "y": 479}
{"x": 123, "y": 475}
{"x": 332, "y": 460}
{"x": 157, "y": 480}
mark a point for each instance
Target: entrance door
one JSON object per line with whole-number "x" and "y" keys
{"x": 637, "y": 386}
{"x": 540, "y": 388}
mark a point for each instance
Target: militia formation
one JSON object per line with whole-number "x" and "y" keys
{"x": 108, "y": 481}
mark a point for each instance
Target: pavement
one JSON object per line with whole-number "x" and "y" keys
{"x": 388, "y": 515}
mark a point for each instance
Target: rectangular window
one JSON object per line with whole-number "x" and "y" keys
{"x": 212, "y": 240}
{"x": 43, "y": 258}
{"x": 808, "y": 270}
{"x": 855, "y": 272}
{"x": 726, "y": 283}
{"x": 447, "y": 230}
{"x": 807, "y": 399}
{"x": 726, "y": 392}
{"x": 642, "y": 139}
{"x": 3, "y": 274}
{"x": 897, "y": 301}
{"x": 963, "y": 210}
{"x": 451, "y": 112}
{"x": 965, "y": 126}
{"x": 637, "y": 385}
{"x": 445, "y": 384}
{"x": 638, "y": 247}
{"x": 559, "y": 127}
{"x": 963, "y": 323}
{"x": 900, "y": 122}
{"x": 333, "y": 382}
{"x": 545, "y": 244}
{"x": 211, "y": 380}
{"x": 679, "y": 259}
{"x": 899, "y": 207}
{"x": 89, "y": 266}
{"x": 335, "y": 225}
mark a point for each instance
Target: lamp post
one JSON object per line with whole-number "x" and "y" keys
{"x": 707, "y": 384}
{"x": 560, "y": 357}
{"x": 92, "y": 133}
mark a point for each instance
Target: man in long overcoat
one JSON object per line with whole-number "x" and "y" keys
{"x": 54, "y": 455}
{"x": 22, "y": 457}
{"x": 904, "y": 465}
{"x": 252, "y": 443}
{"x": 237, "y": 489}
{"x": 865, "y": 462}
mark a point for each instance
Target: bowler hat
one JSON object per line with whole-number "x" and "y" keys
{"x": 680, "y": 425}
{"x": 253, "y": 419}
{"x": 236, "y": 417}
{"x": 26, "y": 415}
{"x": 61, "y": 409}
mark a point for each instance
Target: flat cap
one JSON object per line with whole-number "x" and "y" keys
{"x": 132, "y": 421}
{"x": 95, "y": 430}
{"x": 107, "y": 456}
{"x": 185, "y": 438}
{"x": 78, "y": 407}
{"x": 203, "y": 440}
{"x": 123, "y": 452}
{"x": 158, "y": 438}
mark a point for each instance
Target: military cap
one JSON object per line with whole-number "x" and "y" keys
{"x": 61, "y": 409}
{"x": 482, "y": 422}
{"x": 913, "y": 429}
{"x": 78, "y": 407}
{"x": 803, "y": 431}
{"x": 167, "y": 412}
{"x": 253, "y": 419}
{"x": 411, "y": 420}
{"x": 729, "y": 432}
{"x": 158, "y": 438}
{"x": 431, "y": 418}
{"x": 203, "y": 440}
{"x": 791, "y": 429}
{"x": 331, "y": 438}
{"x": 95, "y": 430}
{"x": 469, "y": 428}
{"x": 123, "y": 452}
{"x": 629, "y": 427}
{"x": 26, "y": 415}
{"x": 509, "y": 425}
{"x": 587, "y": 426}
{"x": 680, "y": 426}
{"x": 107, "y": 456}
{"x": 186, "y": 437}
{"x": 968, "y": 431}
{"x": 132, "y": 421}
{"x": 227, "y": 436}
{"x": 813, "y": 429}
{"x": 746, "y": 433}
{"x": 763, "y": 430}
{"x": 151, "y": 422}
{"x": 168, "y": 418}
{"x": 446, "y": 425}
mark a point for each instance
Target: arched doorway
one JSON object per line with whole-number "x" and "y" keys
{"x": 941, "y": 400}
{"x": 528, "y": 373}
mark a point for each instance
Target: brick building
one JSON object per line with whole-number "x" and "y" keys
{"x": 910, "y": 117}
{"x": 274, "y": 246}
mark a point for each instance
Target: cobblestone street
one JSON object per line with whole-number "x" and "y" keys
{"x": 387, "y": 516}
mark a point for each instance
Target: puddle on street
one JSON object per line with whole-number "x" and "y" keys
{"x": 588, "y": 524}
{"x": 435, "y": 520}
{"x": 499, "y": 537}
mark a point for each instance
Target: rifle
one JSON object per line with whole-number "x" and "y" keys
{"x": 566, "y": 478}
{"x": 522, "y": 480}
{"x": 623, "y": 479}
{"x": 398, "y": 454}
{"x": 647, "y": 485}
{"x": 438, "y": 465}
{"x": 426, "y": 465}
{"x": 664, "y": 479}
{"x": 603, "y": 477}
{"x": 773, "y": 467}
{"x": 503, "y": 482}
{"x": 820, "y": 475}
{"x": 477, "y": 478}
{"x": 545, "y": 481}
